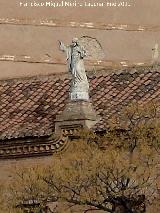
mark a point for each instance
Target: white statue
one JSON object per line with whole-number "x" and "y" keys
{"x": 75, "y": 54}
{"x": 155, "y": 53}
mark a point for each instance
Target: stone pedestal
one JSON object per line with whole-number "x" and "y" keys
{"x": 78, "y": 95}
{"x": 76, "y": 113}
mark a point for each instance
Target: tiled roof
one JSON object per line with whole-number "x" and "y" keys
{"x": 28, "y": 106}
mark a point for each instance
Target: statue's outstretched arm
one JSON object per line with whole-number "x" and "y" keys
{"x": 62, "y": 47}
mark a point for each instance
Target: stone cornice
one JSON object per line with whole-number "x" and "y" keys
{"x": 35, "y": 147}
{"x": 32, "y": 148}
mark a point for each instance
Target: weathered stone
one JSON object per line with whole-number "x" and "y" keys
{"x": 78, "y": 112}
{"x": 79, "y": 85}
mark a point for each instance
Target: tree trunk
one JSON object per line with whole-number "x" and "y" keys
{"x": 120, "y": 209}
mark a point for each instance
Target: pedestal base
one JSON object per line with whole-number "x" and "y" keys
{"x": 77, "y": 112}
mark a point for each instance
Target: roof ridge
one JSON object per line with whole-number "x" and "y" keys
{"x": 130, "y": 70}
{"x": 90, "y": 73}
{"x": 56, "y": 76}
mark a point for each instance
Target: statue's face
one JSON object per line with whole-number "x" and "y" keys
{"x": 75, "y": 42}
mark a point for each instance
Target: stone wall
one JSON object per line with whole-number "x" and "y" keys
{"x": 8, "y": 166}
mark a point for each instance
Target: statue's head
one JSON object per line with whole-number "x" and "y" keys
{"x": 156, "y": 46}
{"x": 75, "y": 41}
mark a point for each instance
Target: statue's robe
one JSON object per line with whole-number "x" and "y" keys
{"x": 74, "y": 57}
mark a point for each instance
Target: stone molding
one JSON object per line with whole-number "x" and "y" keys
{"x": 35, "y": 147}
{"x": 77, "y": 113}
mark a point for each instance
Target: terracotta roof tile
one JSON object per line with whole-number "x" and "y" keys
{"x": 29, "y": 107}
